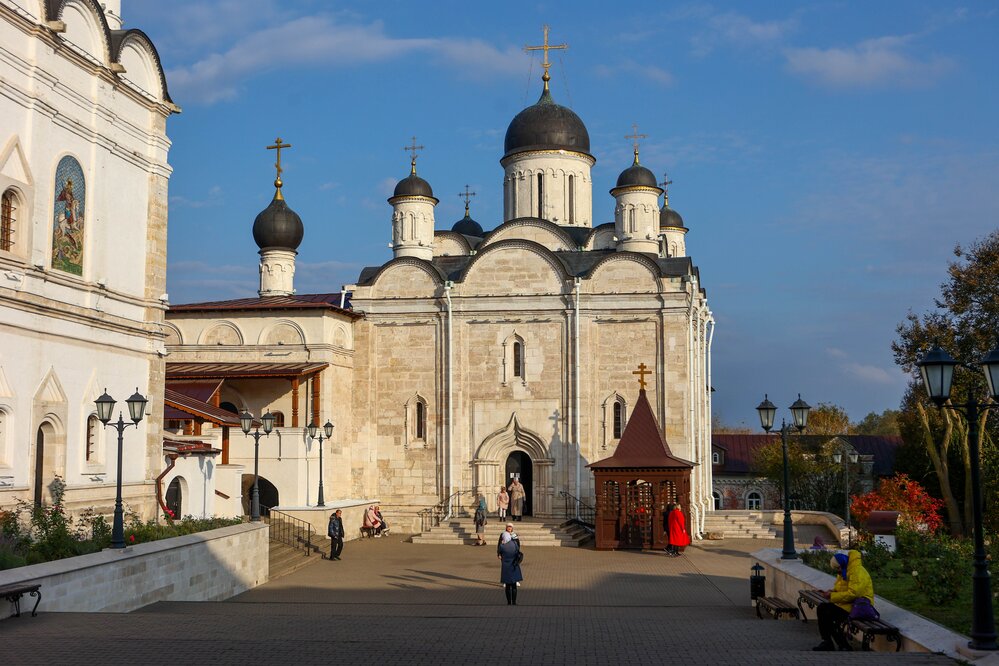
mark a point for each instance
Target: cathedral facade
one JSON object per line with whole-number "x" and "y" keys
{"x": 83, "y": 181}
{"x": 471, "y": 355}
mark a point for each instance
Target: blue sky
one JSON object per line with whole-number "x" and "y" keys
{"x": 826, "y": 156}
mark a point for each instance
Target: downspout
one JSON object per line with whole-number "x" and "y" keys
{"x": 691, "y": 383}
{"x": 448, "y": 428}
{"x": 575, "y": 390}
{"x": 711, "y": 335}
{"x": 172, "y": 457}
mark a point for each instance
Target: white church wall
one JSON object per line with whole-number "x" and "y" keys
{"x": 532, "y": 230}
{"x": 520, "y": 185}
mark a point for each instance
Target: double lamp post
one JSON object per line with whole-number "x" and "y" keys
{"x": 136, "y": 410}
{"x": 245, "y": 423}
{"x": 937, "y": 370}
{"x": 799, "y": 413}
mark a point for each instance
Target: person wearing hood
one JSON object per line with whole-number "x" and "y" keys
{"x": 852, "y": 582}
{"x": 509, "y": 554}
{"x": 480, "y": 522}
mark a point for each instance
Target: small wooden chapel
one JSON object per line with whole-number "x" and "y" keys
{"x": 636, "y": 484}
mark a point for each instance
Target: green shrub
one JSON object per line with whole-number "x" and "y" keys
{"x": 940, "y": 578}
{"x": 876, "y": 557}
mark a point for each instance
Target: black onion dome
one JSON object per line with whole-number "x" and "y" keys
{"x": 278, "y": 226}
{"x": 413, "y": 186}
{"x": 546, "y": 126}
{"x": 636, "y": 175}
{"x": 670, "y": 218}
{"x": 468, "y": 227}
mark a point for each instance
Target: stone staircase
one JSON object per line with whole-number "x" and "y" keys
{"x": 738, "y": 525}
{"x": 532, "y": 533}
{"x": 284, "y": 558}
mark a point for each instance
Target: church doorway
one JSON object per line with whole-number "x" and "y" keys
{"x": 518, "y": 465}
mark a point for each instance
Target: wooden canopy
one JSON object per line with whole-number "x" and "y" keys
{"x": 635, "y": 485}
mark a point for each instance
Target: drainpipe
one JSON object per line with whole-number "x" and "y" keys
{"x": 711, "y": 335}
{"x": 448, "y": 430}
{"x": 575, "y": 365}
{"x": 691, "y": 383}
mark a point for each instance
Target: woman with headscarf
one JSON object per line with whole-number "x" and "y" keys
{"x": 852, "y": 583}
{"x": 480, "y": 522}
{"x": 508, "y": 552}
{"x": 517, "y": 497}
{"x": 502, "y": 502}
{"x": 371, "y": 521}
{"x": 678, "y": 537}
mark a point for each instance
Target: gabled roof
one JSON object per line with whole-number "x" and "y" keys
{"x": 295, "y": 302}
{"x": 187, "y": 447}
{"x": 642, "y": 443}
{"x": 740, "y": 449}
{"x": 240, "y": 370}
{"x": 199, "y": 409}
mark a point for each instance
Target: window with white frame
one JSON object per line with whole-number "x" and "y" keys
{"x": 8, "y": 217}
{"x": 754, "y": 501}
{"x": 717, "y": 498}
{"x": 514, "y": 360}
{"x": 620, "y": 418}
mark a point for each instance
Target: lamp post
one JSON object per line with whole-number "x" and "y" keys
{"x": 328, "y": 429}
{"x": 851, "y": 458}
{"x": 937, "y": 370}
{"x": 245, "y": 423}
{"x": 136, "y": 409}
{"x": 799, "y": 413}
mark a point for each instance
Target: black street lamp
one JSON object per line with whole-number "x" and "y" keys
{"x": 799, "y": 412}
{"x": 245, "y": 423}
{"x": 136, "y": 409}
{"x": 328, "y": 429}
{"x": 937, "y": 369}
{"x": 851, "y": 459}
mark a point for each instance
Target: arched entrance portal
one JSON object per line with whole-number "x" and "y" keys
{"x": 268, "y": 495}
{"x": 174, "y": 498}
{"x": 518, "y": 466}
{"x": 515, "y": 449}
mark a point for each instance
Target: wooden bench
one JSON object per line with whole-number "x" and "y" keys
{"x": 775, "y": 607}
{"x": 14, "y": 592}
{"x": 868, "y": 629}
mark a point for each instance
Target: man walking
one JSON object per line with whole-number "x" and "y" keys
{"x": 335, "y": 533}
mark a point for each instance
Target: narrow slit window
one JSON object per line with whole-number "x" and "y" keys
{"x": 518, "y": 360}
{"x": 421, "y": 421}
{"x": 91, "y": 438}
{"x": 618, "y": 419}
{"x": 7, "y": 210}
{"x": 541, "y": 195}
{"x": 572, "y": 199}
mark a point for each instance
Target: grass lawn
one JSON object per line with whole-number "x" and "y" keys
{"x": 897, "y": 586}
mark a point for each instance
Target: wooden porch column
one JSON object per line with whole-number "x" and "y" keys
{"x": 315, "y": 399}
{"x": 294, "y": 402}
{"x": 225, "y": 445}
{"x": 197, "y": 427}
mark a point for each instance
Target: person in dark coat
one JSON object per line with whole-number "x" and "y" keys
{"x": 335, "y": 533}
{"x": 508, "y": 552}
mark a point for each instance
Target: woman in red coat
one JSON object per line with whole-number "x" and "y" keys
{"x": 677, "y": 530}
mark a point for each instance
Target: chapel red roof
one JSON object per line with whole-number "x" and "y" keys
{"x": 642, "y": 443}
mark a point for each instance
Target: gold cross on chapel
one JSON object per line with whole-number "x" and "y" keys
{"x": 635, "y": 136}
{"x": 665, "y": 185}
{"x": 546, "y": 47}
{"x": 467, "y": 196}
{"x": 641, "y": 372}
{"x": 413, "y": 150}
{"x": 278, "y": 145}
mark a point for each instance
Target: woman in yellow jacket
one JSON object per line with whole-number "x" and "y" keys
{"x": 852, "y": 582}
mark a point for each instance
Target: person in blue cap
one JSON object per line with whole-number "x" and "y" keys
{"x": 852, "y": 582}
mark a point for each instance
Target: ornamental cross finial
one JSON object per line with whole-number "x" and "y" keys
{"x": 467, "y": 196}
{"x": 641, "y": 372}
{"x": 546, "y": 47}
{"x": 413, "y": 150}
{"x": 278, "y": 145}
{"x": 635, "y": 136}
{"x": 665, "y": 185}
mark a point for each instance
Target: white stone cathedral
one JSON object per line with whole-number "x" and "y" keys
{"x": 83, "y": 223}
{"x": 470, "y": 355}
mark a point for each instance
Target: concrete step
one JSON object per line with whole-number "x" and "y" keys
{"x": 531, "y": 533}
{"x": 739, "y": 525}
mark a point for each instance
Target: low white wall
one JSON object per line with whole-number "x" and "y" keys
{"x": 786, "y": 577}
{"x": 318, "y": 517}
{"x": 208, "y": 566}
{"x": 830, "y": 521}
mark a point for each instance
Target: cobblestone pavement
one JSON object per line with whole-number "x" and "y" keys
{"x": 390, "y": 602}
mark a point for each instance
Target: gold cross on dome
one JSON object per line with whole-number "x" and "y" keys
{"x": 467, "y": 196}
{"x": 635, "y": 136}
{"x": 665, "y": 185}
{"x": 278, "y": 145}
{"x": 641, "y": 372}
{"x": 413, "y": 150}
{"x": 546, "y": 47}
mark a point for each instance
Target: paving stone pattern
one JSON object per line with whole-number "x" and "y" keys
{"x": 391, "y": 602}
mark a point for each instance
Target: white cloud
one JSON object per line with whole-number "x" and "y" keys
{"x": 836, "y": 352}
{"x": 874, "y": 374}
{"x": 323, "y": 40}
{"x": 731, "y": 28}
{"x": 883, "y": 61}
{"x": 212, "y": 198}
{"x": 652, "y": 73}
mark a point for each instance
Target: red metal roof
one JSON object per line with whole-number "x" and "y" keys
{"x": 295, "y": 302}
{"x": 740, "y": 449}
{"x": 199, "y": 409}
{"x": 234, "y": 370}
{"x": 642, "y": 443}
{"x": 187, "y": 447}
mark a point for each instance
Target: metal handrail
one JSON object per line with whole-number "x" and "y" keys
{"x": 432, "y": 516}
{"x": 290, "y": 530}
{"x": 579, "y": 511}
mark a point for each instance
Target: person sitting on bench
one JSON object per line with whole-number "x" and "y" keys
{"x": 852, "y": 582}
{"x": 382, "y": 527}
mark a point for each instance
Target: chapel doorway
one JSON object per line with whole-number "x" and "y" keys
{"x": 518, "y": 465}
{"x": 268, "y": 495}
{"x": 174, "y": 498}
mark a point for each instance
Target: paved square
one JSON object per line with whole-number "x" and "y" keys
{"x": 391, "y": 602}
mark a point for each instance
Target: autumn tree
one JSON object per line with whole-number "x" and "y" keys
{"x": 815, "y": 481}
{"x": 965, "y": 323}
{"x": 885, "y": 423}
{"x": 828, "y": 419}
